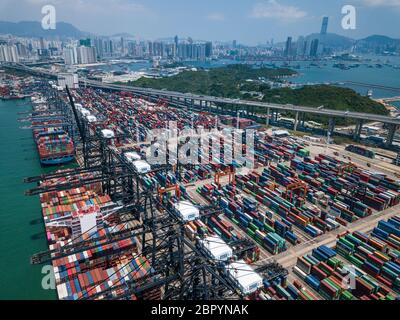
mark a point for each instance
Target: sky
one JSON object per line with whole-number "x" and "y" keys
{"x": 247, "y": 21}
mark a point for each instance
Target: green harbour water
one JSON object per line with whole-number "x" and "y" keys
{"x": 21, "y": 229}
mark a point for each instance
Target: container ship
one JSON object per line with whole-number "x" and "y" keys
{"x": 85, "y": 213}
{"x": 55, "y": 147}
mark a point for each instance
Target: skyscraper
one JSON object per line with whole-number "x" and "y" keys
{"x": 209, "y": 49}
{"x": 324, "y": 28}
{"x": 42, "y": 43}
{"x": 176, "y": 42}
{"x": 301, "y": 45}
{"x": 98, "y": 43}
{"x": 122, "y": 46}
{"x": 109, "y": 47}
{"x": 314, "y": 48}
{"x": 288, "y": 48}
{"x": 21, "y": 49}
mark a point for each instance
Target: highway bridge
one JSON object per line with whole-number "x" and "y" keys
{"x": 391, "y": 99}
{"x": 252, "y": 107}
{"x": 373, "y": 86}
{"x": 43, "y": 62}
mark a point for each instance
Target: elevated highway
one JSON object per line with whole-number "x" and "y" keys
{"x": 243, "y": 103}
{"x": 252, "y": 107}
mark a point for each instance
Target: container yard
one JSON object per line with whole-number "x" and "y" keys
{"x": 359, "y": 267}
{"x": 120, "y": 226}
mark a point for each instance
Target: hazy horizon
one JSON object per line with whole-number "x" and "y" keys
{"x": 247, "y": 21}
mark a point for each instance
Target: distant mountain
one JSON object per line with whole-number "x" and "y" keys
{"x": 122, "y": 35}
{"x": 34, "y": 29}
{"x": 332, "y": 40}
{"x": 378, "y": 40}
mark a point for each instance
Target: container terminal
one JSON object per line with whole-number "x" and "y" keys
{"x": 296, "y": 226}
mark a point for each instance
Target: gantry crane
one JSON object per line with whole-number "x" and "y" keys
{"x": 179, "y": 269}
{"x": 175, "y": 188}
{"x": 293, "y": 187}
{"x": 227, "y": 172}
{"x": 346, "y": 167}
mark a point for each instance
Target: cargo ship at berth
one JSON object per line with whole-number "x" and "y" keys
{"x": 55, "y": 147}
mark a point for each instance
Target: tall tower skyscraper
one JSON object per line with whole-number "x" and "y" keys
{"x": 288, "y": 48}
{"x": 324, "y": 28}
{"x": 209, "y": 49}
{"x": 314, "y": 48}
{"x": 98, "y": 43}
{"x": 176, "y": 41}
{"x": 300, "y": 51}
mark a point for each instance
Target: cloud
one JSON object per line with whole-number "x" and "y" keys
{"x": 97, "y": 16}
{"x": 274, "y": 10}
{"x": 382, "y": 3}
{"x": 216, "y": 16}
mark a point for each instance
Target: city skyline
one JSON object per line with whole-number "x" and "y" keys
{"x": 249, "y": 22}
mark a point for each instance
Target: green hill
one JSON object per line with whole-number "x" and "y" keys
{"x": 331, "y": 97}
{"x": 221, "y": 82}
{"x": 241, "y": 81}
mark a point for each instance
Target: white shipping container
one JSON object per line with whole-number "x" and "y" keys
{"x": 299, "y": 273}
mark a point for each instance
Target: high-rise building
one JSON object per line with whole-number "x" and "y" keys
{"x": 176, "y": 43}
{"x": 288, "y": 47}
{"x": 157, "y": 49}
{"x": 98, "y": 43}
{"x": 109, "y": 48}
{"x": 80, "y": 55}
{"x": 301, "y": 46}
{"x": 137, "y": 50}
{"x": 314, "y": 48}
{"x": 234, "y": 44}
{"x": 70, "y": 56}
{"x": 22, "y": 50}
{"x": 85, "y": 42}
{"x": 209, "y": 49}
{"x": 324, "y": 28}
{"x": 9, "y": 53}
{"x": 86, "y": 55}
{"x": 199, "y": 51}
{"x": 123, "y": 52}
{"x": 182, "y": 53}
{"x": 42, "y": 43}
